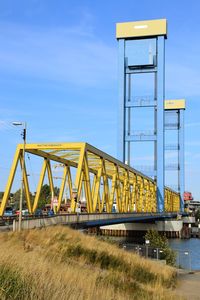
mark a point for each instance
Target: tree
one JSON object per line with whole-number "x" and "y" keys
{"x": 45, "y": 191}
{"x": 56, "y": 191}
{"x": 197, "y": 215}
{"x": 45, "y": 195}
{"x": 16, "y": 199}
{"x": 158, "y": 241}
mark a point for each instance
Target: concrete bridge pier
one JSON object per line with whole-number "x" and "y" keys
{"x": 171, "y": 228}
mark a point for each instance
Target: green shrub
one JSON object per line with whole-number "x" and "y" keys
{"x": 158, "y": 241}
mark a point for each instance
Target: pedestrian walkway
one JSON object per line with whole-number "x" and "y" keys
{"x": 188, "y": 285}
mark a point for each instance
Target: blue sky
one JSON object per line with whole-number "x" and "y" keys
{"x": 58, "y": 72}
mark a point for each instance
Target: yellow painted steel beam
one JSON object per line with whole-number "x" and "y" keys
{"x": 133, "y": 196}
{"x": 106, "y": 195}
{"x": 62, "y": 187}
{"x": 58, "y": 159}
{"x": 93, "y": 189}
{"x": 52, "y": 157}
{"x": 10, "y": 181}
{"x": 87, "y": 184}
{"x": 50, "y": 177}
{"x": 97, "y": 188}
{"x": 69, "y": 180}
{"x": 113, "y": 189}
{"x": 40, "y": 183}
{"x": 54, "y": 146}
{"x": 124, "y": 185}
{"x": 127, "y": 192}
{"x": 141, "y": 194}
{"x": 153, "y": 197}
{"x": 26, "y": 185}
{"x": 118, "y": 191}
{"x": 79, "y": 176}
{"x": 145, "y": 196}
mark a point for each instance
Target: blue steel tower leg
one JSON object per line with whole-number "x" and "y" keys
{"x": 160, "y": 122}
{"x": 181, "y": 159}
{"x": 122, "y": 95}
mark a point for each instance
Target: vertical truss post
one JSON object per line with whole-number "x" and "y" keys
{"x": 160, "y": 122}
{"x": 176, "y": 107}
{"x": 118, "y": 190}
{"x": 114, "y": 178}
{"x": 141, "y": 194}
{"x": 88, "y": 184}
{"x": 26, "y": 185}
{"x": 50, "y": 177}
{"x": 181, "y": 159}
{"x": 129, "y": 121}
{"x": 79, "y": 176}
{"x": 106, "y": 189}
{"x": 133, "y": 196}
{"x": 148, "y": 201}
{"x": 124, "y": 193}
{"x": 137, "y": 193}
{"x": 97, "y": 184}
{"x": 153, "y": 197}
{"x": 128, "y": 192}
{"x": 69, "y": 178}
{"x": 62, "y": 187}
{"x": 122, "y": 92}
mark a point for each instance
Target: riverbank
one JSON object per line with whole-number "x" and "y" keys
{"x": 60, "y": 263}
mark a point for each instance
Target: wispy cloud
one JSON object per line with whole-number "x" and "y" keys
{"x": 193, "y": 143}
{"x": 63, "y": 54}
{"x": 192, "y": 124}
{"x": 5, "y": 125}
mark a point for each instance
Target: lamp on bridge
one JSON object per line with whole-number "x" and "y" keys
{"x": 23, "y": 134}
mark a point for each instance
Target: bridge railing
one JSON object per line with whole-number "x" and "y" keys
{"x": 103, "y": 181}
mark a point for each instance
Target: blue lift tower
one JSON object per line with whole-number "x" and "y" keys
{"x": 174, "y": 120}
{"x": 142, "y": 51}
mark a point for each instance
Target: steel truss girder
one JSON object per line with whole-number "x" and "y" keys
{"x": 108, "y": 183}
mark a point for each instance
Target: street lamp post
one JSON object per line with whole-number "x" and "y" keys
{"x": 147, "y": 242}
{"x": 23, "y": 167}
{"x": 189, "y": 260}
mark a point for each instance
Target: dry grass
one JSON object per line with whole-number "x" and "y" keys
{"x": 60, "y": 263}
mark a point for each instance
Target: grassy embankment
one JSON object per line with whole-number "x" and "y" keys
{"x": 59, "y": 263}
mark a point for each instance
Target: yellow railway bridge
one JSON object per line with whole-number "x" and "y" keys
{"x": 104, "y": 180}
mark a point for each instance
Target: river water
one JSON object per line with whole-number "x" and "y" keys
{"x": 188, "y": 252}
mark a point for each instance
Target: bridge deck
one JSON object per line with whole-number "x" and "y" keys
{"x": 92, "y": 220}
